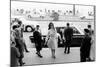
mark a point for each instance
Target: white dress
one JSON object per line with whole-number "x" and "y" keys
{"x": 92, "y": 51}
{"x": 52, "y": 39}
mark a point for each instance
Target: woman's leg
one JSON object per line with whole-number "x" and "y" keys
{"x": 53, "y": 53}
{"x": 26, "y": 48}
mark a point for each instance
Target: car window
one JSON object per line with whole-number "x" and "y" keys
{"x": 75, "y": 30}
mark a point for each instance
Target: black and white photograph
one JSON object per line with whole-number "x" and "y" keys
{"x": 43, "y": 33}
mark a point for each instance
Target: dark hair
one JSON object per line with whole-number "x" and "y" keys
{"x": 14, "y": 27}
{"x": 67, "y": 24}
{"x": 50, "y": 25}
{"x": 86, "y": 30}
{"x": 13, "y": 42}
{"x": 89, "y": 26}
{"x": 19, "y": 22}
{"x": 37, "y": 26}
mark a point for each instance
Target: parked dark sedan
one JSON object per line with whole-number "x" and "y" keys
{"x": 76, "y": 41}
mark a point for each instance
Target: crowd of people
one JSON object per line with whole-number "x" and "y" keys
{"x": 18, "y": 45}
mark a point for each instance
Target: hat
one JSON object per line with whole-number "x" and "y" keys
{"x": 86, "y": 30}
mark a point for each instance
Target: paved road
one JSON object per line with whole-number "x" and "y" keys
{"x": 32, "y": 59}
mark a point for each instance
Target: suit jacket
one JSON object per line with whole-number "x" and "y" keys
{"x": 68, "y": 33}
{"x": 37, "y": 37}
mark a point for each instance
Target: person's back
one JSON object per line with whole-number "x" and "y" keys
{"x": 14, "y": 56}
{"x": 68, "y": 32}
{"x": 85, "y": 46}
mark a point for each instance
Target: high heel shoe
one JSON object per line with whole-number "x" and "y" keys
{"x": 54, "y": 57}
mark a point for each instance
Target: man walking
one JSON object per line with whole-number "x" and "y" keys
{"x": 38, "y": 39}
{"x": 68, "y": 33}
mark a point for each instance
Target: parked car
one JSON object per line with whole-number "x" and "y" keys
{"x": 77, "y": 36}
{"x": 76, "y": 41}
{"x": 29, "y": 28}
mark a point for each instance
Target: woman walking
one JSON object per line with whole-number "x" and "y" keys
{"x": 52, "y": 39}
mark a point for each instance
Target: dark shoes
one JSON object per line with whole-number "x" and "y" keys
{"x": 67, "y": 52}
{"x": 54, "y": 57}
{"x": 27, "y": 51}
{"x": 88, "y": 59}
{"x": 39, "y": 54}
{"x": 21, "y": 64}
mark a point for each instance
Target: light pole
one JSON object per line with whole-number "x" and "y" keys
{"x": 73, "y": 9}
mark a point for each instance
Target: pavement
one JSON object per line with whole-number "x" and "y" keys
{"x": 32, "y": 59}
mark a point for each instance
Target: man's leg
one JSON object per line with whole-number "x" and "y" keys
{"x": 82, "y": 57}
{"x": 68, "y": 49}
{"x": 89, "y": 58}
{"x": 26, "y": 48}
{"x": 68, "y": 44}
{"x": 65, "y": 48}
{"x": 21, "y": 57}
{"x": 36, "y": 48}
{"x": 39, "y": 49}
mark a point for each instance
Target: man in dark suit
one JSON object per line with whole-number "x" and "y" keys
{"x": 68, "y": 33}
{"x": 15, "y": 54}
{"x": 85, "y": 47}
{"x": 38, "y": 39}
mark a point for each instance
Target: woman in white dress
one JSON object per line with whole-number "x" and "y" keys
{"x": 52, "y": 39}
{"x": 92, "y": 51}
